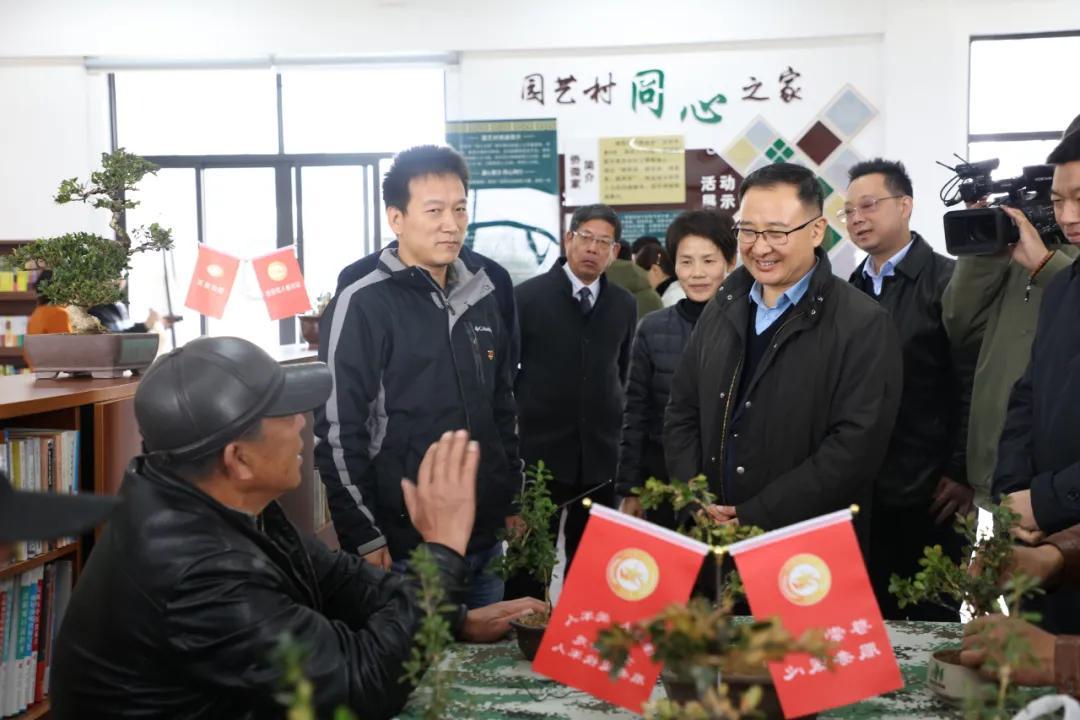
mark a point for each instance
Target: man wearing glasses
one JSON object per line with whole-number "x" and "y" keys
{"x": 922, "y": 484}
{"x": 576, "y": 332}
{"x": 786, "y": 395}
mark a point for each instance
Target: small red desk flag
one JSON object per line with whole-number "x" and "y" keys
{"x": 282, "y": 283}
{"x": 812, "y": 575}
{"x": 625, "y": 570}
{"x": 212, "y": 282}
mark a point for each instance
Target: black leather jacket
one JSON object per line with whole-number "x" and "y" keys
{"x": 930, "y": 437}
{"x": 183, "y": 602}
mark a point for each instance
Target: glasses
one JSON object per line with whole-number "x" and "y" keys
{"x": 775, "y": 238}
{"x": 866, "y": 207}
{"x": 604, "y": 241}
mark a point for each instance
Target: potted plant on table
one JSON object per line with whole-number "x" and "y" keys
{"x": 948, "y": 583}
{"x": 715, "y": 668}
{"x": 89, "y": 270}
{"x": 690, "y": 499}
{"x": 531, "y": 549}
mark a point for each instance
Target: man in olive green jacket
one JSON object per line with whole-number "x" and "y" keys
{"x": 990, "y": 309}
{"x": 634, "y": 280}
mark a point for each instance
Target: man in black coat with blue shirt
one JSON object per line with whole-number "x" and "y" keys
{"x": 576, "y": 333}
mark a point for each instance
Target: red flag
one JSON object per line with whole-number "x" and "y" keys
{"x": 282, "y": 284}
{"x": 212, "y": 281}
{"x": 811, "y": 574}
{"x": 625, "y": 570}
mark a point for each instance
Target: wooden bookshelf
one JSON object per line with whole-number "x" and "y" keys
{"x": 102, "y": 412}
{"x": 18, "y": 568}
{"x": 39, "y": 710}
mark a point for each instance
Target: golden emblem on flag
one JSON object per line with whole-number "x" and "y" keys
{"x": 805, "y": 579}
{"x": 277, "y": 271}
{"x": 633, "y": 574}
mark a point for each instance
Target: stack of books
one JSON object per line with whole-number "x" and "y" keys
{"x": 41, "y": 461}
{"x": 31, "y": 607}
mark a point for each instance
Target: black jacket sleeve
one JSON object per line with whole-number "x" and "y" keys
{"x": 861, "y": 419}
{"x": 635, "y": 416}
{"x": 682, "y": 419}
{"x": 1055, "y": 497}
{"x": 349, "y": 426}
{"x": 227, "y": 614}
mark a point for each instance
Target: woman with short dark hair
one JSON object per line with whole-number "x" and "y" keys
{"x": 702, "y": 246}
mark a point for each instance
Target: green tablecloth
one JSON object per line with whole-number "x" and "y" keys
{"x": 495, "y": 683}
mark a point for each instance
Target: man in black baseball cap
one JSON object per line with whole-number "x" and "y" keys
{"x": 199, "y": 575}
{"x": 43, "y": 516}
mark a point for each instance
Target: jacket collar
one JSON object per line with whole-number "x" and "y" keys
{"x": 735, "y": 292}
{"x": 918, "y": 256}
{"x": 467, "y": 283}
{"x": 279, "y": 539}
{"x": 557, "y": 273}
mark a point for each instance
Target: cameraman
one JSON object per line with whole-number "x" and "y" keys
{"x": 990, "y": 309}
{"x": 1038, "y": 465}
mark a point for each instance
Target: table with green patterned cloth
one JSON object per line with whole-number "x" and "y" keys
{"x": 494, "y": 682}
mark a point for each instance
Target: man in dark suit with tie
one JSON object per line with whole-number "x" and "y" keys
{"x": 576, "y": 332}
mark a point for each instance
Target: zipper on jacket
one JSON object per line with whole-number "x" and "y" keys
{"x": 453, "y": 359}
{"x": 477, "y": 356}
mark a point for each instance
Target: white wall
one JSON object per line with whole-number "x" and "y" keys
{"x": 50, "y": 119}
{"x": 926, "y": 67}
{"x": 53, "y": 125}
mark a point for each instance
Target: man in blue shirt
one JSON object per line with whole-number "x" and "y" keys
{"x": 922, "y": 484}
{"x": 786, "y": 395}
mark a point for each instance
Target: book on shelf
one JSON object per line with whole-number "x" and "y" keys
{"x": 14, "y": 370}
{"x": 13, "y": 330}
{"x": 40, "y": 461}
{"x": 16, "y": 280}
{"x": 31, "y": 607}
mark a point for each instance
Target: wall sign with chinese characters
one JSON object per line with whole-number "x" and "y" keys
{"x": 737, "y": 109}
{"x": 508, "y": 153}
{"x": 637, "y": 170}
{"x": 648, "y": 93}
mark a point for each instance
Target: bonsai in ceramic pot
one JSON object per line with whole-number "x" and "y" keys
{"x": 949, "y": 583}
{"x": 531, "y": 549}
{"x": 89, "y": 270}
{"x": 713, "y": 667}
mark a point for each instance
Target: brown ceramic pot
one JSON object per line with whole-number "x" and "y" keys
{"x": 106, "y": 355}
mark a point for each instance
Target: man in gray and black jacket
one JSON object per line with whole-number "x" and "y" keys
{"x": 418, "y": 347}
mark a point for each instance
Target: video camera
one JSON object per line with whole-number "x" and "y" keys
{"x": 988, "y": 230}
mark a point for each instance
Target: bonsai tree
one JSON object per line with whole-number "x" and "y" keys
{"x": 698, "y": 641}
{"x": 532, "y": 549}
{"x": 981, "y": 587}
{"x": 690, "y": 499}
{"x": 942, "y": 579}
{"x": 432, "y": 638}
{"x": 88, "y": 269}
